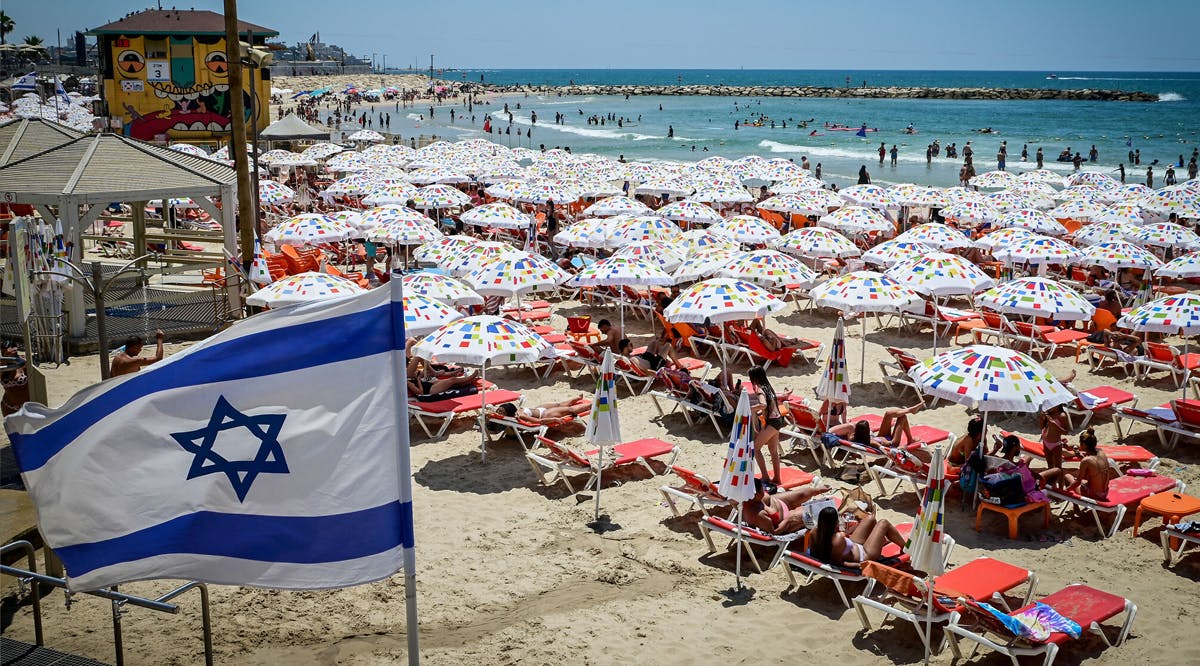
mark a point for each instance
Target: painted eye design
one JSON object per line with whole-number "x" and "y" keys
{"x": 131, "y": 62}
{"x": 216, "y": 62}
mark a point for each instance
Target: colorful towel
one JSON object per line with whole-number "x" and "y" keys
{"x": 1041, "y": 620}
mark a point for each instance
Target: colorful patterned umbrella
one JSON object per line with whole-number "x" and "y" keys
{"x": 189, "y": 149}
{"x": 514, "y": 275}
{"x": 320, "y": 151}
{"x": 439, "y": 196}
{"x": 770, "y": 269}
{"x": 936, "y": 235}
{"x": 1002, "y": 237}
{"x": 1104, "y": 232}
{"x": 720, "y": 300}
{"x": 1180, "y": 200}
{"x": 620, "y": 271}
{"x": 1122, "y": 214}
{"x": 1033, "y": 220}
{"x": 990, "y": 379}
{"x": 370, "y": 136}
{"x": 835, "y": 380}
{"x": 271, "y": 192}
{"x": 394, "y": 193}
{"x": 1008, "y": 200}
{"x": 474, "y": 257}
{"x": 642, "y": 229}
{"x": 496, "y": 215}
{"x": 918, "y": 195}
{"x": 440, "y": 287}
{"x": 1037, "y": 250}
{"x": 542, "y": 191}
{"x": 403, "y": 231}
{"x": 619, "y": 205}
{"x": 940, "y": 274}
{"x": 995, "y": 179}
{"x": 723, "y": 194}
{"x": 1165, "y": 234}
{"x": 894, "y": 251}
{"x": 354, "y": 185}
{"x": 604, "y": 423}
{"x": 737, "y": 475}
{"x": 689, "y": 211}
{"x": 443, "y": 249}
{"x": 748, "y": 229}
{"x": 1187, "y": 266}
{"x": 816, "y": 242}
{"x": 1118, "y": 254}
{"x": 591, "y": 232}
{"x": 794, "y": 203}
{"x": 1177, "y": 314}
{"x": 705, "y": 263}
{"x": 925, "y": 541}
{"x": 857, "y": 219}
{"x": 864, "y": 291}
{"x": 423, "y": 315}
{"x": 972, "y": 212}
{"x": 664, "y": 254}
{"x": 1043, "y": 176}
{"x": 381, "y": 215}
{"x": 347, "y": 162}
{"x": 1077, "y": 209}
{"x": 1037, "y": 297}
{"x": 705, "y": 239}
{"x": 437, "y": 174}
{"x": 302, "y": 288}
{"x": 309, "y": 228}
{"x": 871, "y": 196}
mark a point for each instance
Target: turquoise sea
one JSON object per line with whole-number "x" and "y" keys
{"x": 1162, "y": 130}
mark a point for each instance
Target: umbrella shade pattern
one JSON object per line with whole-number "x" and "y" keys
{"x": 707, "y": 239}
{"x": 748, "y": 229}
{"x": 737, "y": 475}
{"x": 303, "y": 288}
{"x": 1037, "y": 297}
{"x": 972, "y": 212}
{"x": 403, "y": 232}
{"x": 871, "y": 196}
{"x": 348, "y": 216}
{"x": 483, "y": 340}
{"x": 835, "y": 380}
{"x": 423, "y": 315}
{"x": 542, "y": 191}
{"x": 704, "y": 264}
{"x": 1104, "y": 232}
{"x": 688, "y": 211}
{"x": 1118, "y": 254}
{"x": 443, "y": 249}
{"x": 391, "y": 193}
{"x": 440, "y": 287}
{"x": 514, "y": 275}
{"x": 1003, "y": 237}
{"x": 995, "y": 179}
{"x": 380, "y": 215}
{"x": 309, "y": 228}
{"x": 720, "y": 300}
{"x": 271, "y": 192}
{"x": 856, "y": 219}
{"x": 357, "y": 184}
{"x": 1122, "y": 214}
{"x": 618, "y": 206}
{"x": 817, "y": 242}
{"x": 936, "y": 235}
{"x": 1175, "y": 314}
{"x": 925, "y": 541}
{"x": 889, "y": 253}
{"x": 794, "y": 203}
{"x": 620, "y": 271}
{"x": 1187, "y": 266}
{"x": 591, "y": 232}
{"x": 1181, "y": 201}
{"x": 1077, "y": 209}
{"x": 864, "y": 291}
{"x": 722, "y": 194}
{"x": 990, "y": 379}
{"x": 769, "y": 268}
{"x": 1165, "y": 234}
{"x": 1037, "y": 250}
{"x": 940, "y": 274}
{"x": 663, "y": 254}
{"x": 643, "y": 229}
{"x": 474, "y": 257}
{"x": 496, "y": 215}
{"x": 370, "y": 136}
{"x": 439, "y": 196}
{"x": 1033, "y": 220}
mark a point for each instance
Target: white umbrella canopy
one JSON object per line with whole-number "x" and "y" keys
{"x": 720, "y": 300}
{"x": 497, "y": 215}
{"x": 972, "y": 212}
{"x": 704, "y": 264}
{"x": 1037, "y": 250}
{"x": 439, "y": 196}
{"x": 1043, "y": 176}
{"x": 664, "y": 254}
{"x": 423, "y": 315}
{"x": 515, "y": 274}
{"x": 689, "y": 211}
{"x": 443, "y": 249}
{"x": 1078, "y": 209}
{"x": 303, "y": 288}
{"x": 1122, "y": 214}
{"x": 1165, "y": 234}
{"x": 619, "y": 205}
{"x": 440, "y": 287}
{"x": 725, "y": 194}
{"x": 475, "y": 256}
{"x": 1116, "y": 255}
{"x": 309, "y": 228}
{"x": 817, "y": 242}
{"x": 1037, "y": 297}
{"x": 1176, "y": 199}
{"x": 769, "y": 268}
{"x": 990, "y": 379}
{"x": 1176, "y": 314}
{"x": 747, "y": 229}
{"x": 835, "y": 380}
{"x": 995, "y": 179}
{"x": 889, "y": 253}
{"x": 1104, "y": 232}
{"x": 403, "y": 232}
{"x": 870, "y": 196}
{"x": 1002, "y": 237}
{"x": 590, "y": 232}
{"x": 1187, "y": 266}
{"x": 620, "y": 271}
{"x": 794, "y": 203}
{"x": 1033, "y": 220}
{"x": 629, "y": 230}
{"x": 857, "y": 219}
{"x": 940, "y": 274}
{"x": 861, "y": 292}
{"x": 936, "y": 235}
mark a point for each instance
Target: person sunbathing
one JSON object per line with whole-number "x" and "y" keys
{"x": 421, "y": 380}
{"x": 659, "y": 354}
{"x": 862, "y": 544}
{"x": 1096, "y": 471}
{"x": 967, "y": 444}
{"x": 770, "y": 339}
{"x": 780, "y": 513}
{"x": 550, "y": 413}
{"x": 894, "y": 429}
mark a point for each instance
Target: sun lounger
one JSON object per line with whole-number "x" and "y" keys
{"x": 746, "y": 537}
{"x": 696, "y": 490}
{"x": 1093, "y": 401}
{"x": 1178, "y": 419}
{"x": 1168, "y": 359}
{"x": 447, "y": 410}
{"x": 1084, "y": 605}
{"x": 561, "y": 460}
{"x": 1175, "y": 534}
{"x": 521, "y": 427}
{"x": 907, "y": 465}
{"x": 791, "y": 477}
{"x": 681, "y": 396}
{"x": 895, "y": 375}
{"x": 1123, "y": 492}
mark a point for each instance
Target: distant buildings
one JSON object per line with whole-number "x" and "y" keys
{"x": 315, "y": 57}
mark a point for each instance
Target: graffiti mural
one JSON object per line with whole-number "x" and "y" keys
{"x": 176, "y": 86}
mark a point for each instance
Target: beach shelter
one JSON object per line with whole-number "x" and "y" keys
{"x": 891, "y": 252}
{"x": 483, "y": 340}
{"x": 817, "y": 243}
{"x": 621, "y": 272}
{"x": 497, "y": 215}
{"x": 940, "y": 274}
{"x": 303, "y": 288}
{"x": 604, "y": 424}
{"x": 835, "y": 380}
{"x": 441, "y": 287}
{"x": 704, "y": 263}
{"x": 737, "y": 476}
{"x": 309, "y": 228}
{"x": 1037, "y": 297}
{"x": 769, "y": 268}
{"x": 619, "y": 205}
{"x": 925, "y": 543}
{"x": 1187, "y": 266}
{"x": 290, "y": 128}
{"x": 862, "y": 292}
{"x": 423, "y": 315}
{"x": 515, "y": 274}
{"x": 1177, "y": 314}
{"x": 444, "y": 249}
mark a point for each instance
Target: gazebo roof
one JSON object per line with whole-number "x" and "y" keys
{"x": 103, "y": 168}
{"x": 22, "y": 137}
{"x": 291, "y": 127}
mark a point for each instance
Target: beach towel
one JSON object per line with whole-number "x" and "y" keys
{"x": 1040, "y": 620}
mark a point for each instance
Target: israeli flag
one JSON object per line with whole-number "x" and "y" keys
{"x": 274, "y": 454}
{"x": 27, "y": 83}
{"x": 60, "y": 91}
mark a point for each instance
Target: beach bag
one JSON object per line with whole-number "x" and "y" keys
{"x": 1003, "y": 489}
{"x": 813, "y": 507}
{"x": 856, "y": 501}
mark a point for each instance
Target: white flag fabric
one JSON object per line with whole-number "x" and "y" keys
{"x": 274, "y": 454}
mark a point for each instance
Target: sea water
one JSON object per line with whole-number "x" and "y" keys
{"x": 704, "y": 126}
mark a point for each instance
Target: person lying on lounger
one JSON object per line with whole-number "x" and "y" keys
{"x": 780, "y": 513}
{"x": 864, "y": 543}
{"x": 421, "y": 380}
{"x": 770, "y": 339}
{"x": 548, "y": 413}
{"x": 893, "y": 429}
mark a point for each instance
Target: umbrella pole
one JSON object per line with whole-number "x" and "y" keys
{"x": 599, "y": 474}
{"x": 1187, "y": 374}
{"x": 862, "y": 359}
{"x": 738, "y": 527}
{"x": 483, "y": 411}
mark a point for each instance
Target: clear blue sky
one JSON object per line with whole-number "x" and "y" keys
{"x": 1049, "y": 35}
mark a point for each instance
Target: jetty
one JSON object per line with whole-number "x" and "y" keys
{"x": 889, "y": 92}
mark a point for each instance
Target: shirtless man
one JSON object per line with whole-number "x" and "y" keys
{"x": 780, "y": 513}
{"x": 1095, "y": 470}
{"x": 612, "y": 337}
{"x": 128, "y": 361}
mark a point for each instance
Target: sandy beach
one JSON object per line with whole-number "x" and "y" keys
{"x": 510, "y": 573}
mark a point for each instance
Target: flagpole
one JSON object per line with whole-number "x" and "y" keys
{"x": 404, "y": 468}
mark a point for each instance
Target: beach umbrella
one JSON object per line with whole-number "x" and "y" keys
{"x": 972, "y": 212}
{"x": 1037, "y": 250}
{"x": 439, "y": 196}
{"x": 871, "y": 196}
{"x": 271, "y": 192}
{"x": 392, "y": 213}
{"x": 802, "y": 185}
{"x": 347, "y": 162}
{"x": 619, "y": 205}
{"x": 515, "y": 274}
{"x": 707, "y": 239}
{"x": 768, "y": 268}
{"x": 720, "y": 300}
{"x": 989, "y": 379}
{"x": 475, "y": 256}
{"x": 1177, "y": 314}
{"x": 643, "y": 228}
{"x": 543, "y": 191}
{"x": 664, "y": 254}
{"x": 1007, "y": 200}
{"x": 1043, "y": 176}
{"x": 483, "y": 340}
{"x": 687, "y": 210}
{"x": 1130, "y": 214}
{"x": 403, "y": 231}
{"x": 497, "y": 215}
{"x": 794, "y": 203}
{"x": 1077, "y": 209}
{"x": 737, "y": 475}
{"x": 862, "y": 292}
{"x": 747, "y": 229}
{"x": 704, "y": 263}
{"x": 423, "y": 315}
{"x": 391, "y": 193}
{"x": 1165, "y": 234}
{"x": 1037, "y": 297}
{"x": 443, "y": 249}
{"x": 918, "y": 195}
{"x": 835, "y": 380}
{"x": 369, "y": 136}
{"x": 357, "y": 184}
{"x": 621, "y": 272}
{"x": 303, "y": 288}
{"x": 1033, "y": 220}
{"x": 437, "y": 174}
{"x": 936, "y": 235}
{"x": 1180, "y": 200}
{"x": 1104, "y": 232}
{"x": 1187, "y": 266}
{"x": 309, "y": 228}
{"x": 895, "y": 251}
{"x": 670, "y": 185}
{"x": 1116, "y": 255}
{"x": 857, "y": 219}
{"x": 604, "y": 424}
{"x": 188, "y": 149}
{"x": 940, "y": 274}
{"x": 815, "y": 243}
{"x": 440, "y": 287}
{"x": 323, "y": 150}
{"x": 926, "y": 540}
{"x": 959, "y": 194}
{"x": 1002, "y": 237}
{"x": 591, "y": 232}
{"x": 995, "y": 179}
{"x": 727, "y": 194}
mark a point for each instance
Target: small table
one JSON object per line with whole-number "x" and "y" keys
{"x": 1013, "y": 514}
{"x": 591, "y": 335}
{"x": 1172, "y": 506}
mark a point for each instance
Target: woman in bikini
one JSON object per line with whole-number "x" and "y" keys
{"x": 780, "y": 513}
{"x": 659, "y": 354}
{"x": 863, "y": 544}
{"x": 967, "y": 444}
{"x": 894, "y": 429}
{"x": 770, "y": 339}
{"x": 14, "y": 380}
{"x": 768, "y": 434}
{"x": 1054, "y": 425}
{"x": 547, "y": 413}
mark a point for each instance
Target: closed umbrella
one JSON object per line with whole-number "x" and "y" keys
{"x": 604, "y": 424}
{"x": 737, "y": 475}
{"x": 835, "y": 380}
{"x": 925, "y": 541}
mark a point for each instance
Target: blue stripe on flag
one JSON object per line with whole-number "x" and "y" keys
{"x": 290, "y": 539}
{"x": 278, "y": 350}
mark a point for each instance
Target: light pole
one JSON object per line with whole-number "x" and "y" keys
{"x": 373, "y": 62}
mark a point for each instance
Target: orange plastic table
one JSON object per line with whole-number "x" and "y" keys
{"x": 1171, "y": 506}
{"x": 591, "y": 335}
{"x": 1013, "y": 514}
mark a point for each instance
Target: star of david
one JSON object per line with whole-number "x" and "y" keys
{"x": 241, "y": 473}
